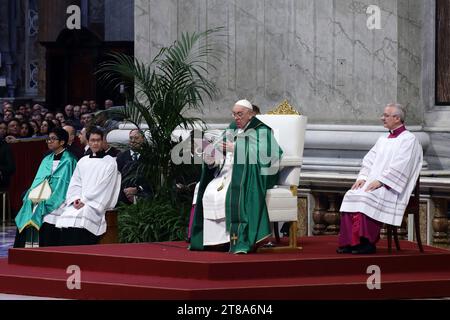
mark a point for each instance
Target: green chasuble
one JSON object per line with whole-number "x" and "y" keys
{"x": 255, "y": 169}
{"x": 59, "y": 183}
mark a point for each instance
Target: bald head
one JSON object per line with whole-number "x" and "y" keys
{"x": 71, "y": 131}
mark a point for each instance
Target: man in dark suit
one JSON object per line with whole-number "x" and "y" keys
{"x": 133, "y": 185}
{"x": 72, "y": 146}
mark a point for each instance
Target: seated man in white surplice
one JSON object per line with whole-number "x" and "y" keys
{"x": 93, "y": 189}
{"x": 383, "y": 187}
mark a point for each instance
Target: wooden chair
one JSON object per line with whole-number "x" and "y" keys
{"x": 412, "y": 208}
{"x": 112, "y": 231}
{"x": 282, "y": 201}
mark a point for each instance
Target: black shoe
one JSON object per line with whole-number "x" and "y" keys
{"x": 346, "y": 249}
{"x": 365, "y": 249}
{"x": 218, "y": 248}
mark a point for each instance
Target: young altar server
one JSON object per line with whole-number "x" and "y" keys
{"x": 94, "y": 188}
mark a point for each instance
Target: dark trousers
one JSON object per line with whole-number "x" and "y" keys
{"x": 78, "y": 237}
{"x": 19, "y": 241}
{"x": 49, "y": 236}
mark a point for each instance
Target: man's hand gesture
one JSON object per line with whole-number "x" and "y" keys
{"x": 358, "y": 184}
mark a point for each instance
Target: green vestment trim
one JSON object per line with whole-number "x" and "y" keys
{"x": 256, "y": 150}
{"x": 59, "y": 183}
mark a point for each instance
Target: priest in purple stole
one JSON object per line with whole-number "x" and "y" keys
{"x": 383, "y": 187}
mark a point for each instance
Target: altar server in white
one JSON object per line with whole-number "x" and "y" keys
{"x": 94, "y": 188}
{"x": 383, "y": 187}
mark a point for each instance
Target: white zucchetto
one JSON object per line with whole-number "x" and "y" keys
{"x": 244, "y": 103}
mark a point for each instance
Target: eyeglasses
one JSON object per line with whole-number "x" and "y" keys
{"x": 384, "y": 115}
{"x": 238, "y": 115}
{"x": 52, "y": 139}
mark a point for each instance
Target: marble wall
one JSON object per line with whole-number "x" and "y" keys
{"x": 319, "y": 54}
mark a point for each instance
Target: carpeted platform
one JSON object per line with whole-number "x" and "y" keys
{"x": 170, "y": 271}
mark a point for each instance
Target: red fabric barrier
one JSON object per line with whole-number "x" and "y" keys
{"x": 28, "y": 156}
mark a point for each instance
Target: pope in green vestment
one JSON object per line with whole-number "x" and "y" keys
{"x": 255, "y": 169}
{"x": 59, "y": 182}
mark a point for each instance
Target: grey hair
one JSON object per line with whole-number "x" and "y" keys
{"x": 400, "y": 110}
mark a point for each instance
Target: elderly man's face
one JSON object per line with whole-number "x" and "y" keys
{"x": 390, "y": 119}
{"x": 136, "y": 140}
{"x": 69, "y": 111}
{"x": 71, "y": 131}
{"x": 242, "y": 115}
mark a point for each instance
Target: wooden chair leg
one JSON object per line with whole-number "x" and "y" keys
{"x": 417, "y": 228}
{"x": 293, "y": 235}
{"x": 292, "y": 247}
{"x": 389, "y": 237}
{"x": 397, "y": 243}
{"x": 276, "y": 231}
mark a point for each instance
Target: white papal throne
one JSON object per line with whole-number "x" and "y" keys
{"x": 282, "y": 202}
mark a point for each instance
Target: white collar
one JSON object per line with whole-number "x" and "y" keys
{"x": 134, "y": 153}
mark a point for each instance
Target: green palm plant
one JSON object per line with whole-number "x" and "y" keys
{"x": 159, "y": 94}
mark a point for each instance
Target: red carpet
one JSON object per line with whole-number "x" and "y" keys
{"x": 170, "y": 271}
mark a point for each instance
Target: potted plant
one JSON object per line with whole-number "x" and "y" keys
{"x": 158, "y": 94}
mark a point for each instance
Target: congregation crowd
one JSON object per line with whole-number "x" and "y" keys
{"x": 78, "y": 152}
{"x": 26, "y": 121}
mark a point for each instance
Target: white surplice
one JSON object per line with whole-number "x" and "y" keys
{"x": 214, "y": 213}
{"x": 96, "y": 182}
{"x": 396, "y": 163}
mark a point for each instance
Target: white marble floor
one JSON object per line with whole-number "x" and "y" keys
{"x": 7, "y": 235}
